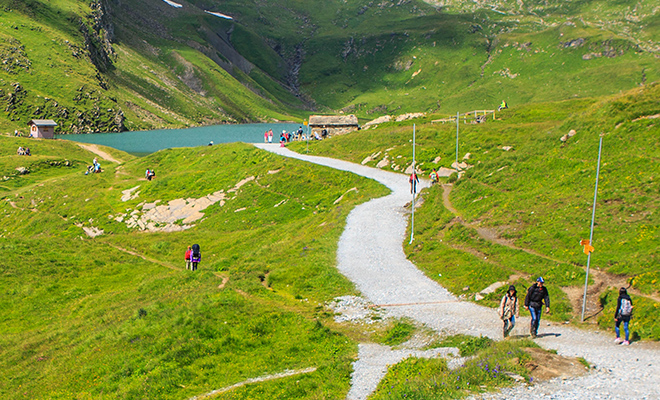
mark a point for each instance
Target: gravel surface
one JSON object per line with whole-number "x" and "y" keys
{"x": 370, "y": 254}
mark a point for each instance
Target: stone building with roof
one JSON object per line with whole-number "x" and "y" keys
{"x": 42, "y": 128}
{"x": 334, "y": 124}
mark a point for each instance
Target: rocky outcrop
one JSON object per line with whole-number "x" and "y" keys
{"x": 98, "y": 32}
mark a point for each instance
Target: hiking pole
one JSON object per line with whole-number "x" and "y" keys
{"x": 589, "y": 249}
{"x": 413, "y": 184}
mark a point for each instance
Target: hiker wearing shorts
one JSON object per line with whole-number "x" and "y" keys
{"x": 509, "y": 310}
{"x": 537, "y": 294}
{"x": 623, "y": 313}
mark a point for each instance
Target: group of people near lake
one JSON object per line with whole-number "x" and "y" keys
{"x": 286, "y": 137}
{"x": 193, "y": 257}
{"x": 95, "y": 168}
{"x": 23, "y": 151}
{"x": 537, "y": 297}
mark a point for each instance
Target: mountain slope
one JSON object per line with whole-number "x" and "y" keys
{"x": 114, "y": 65}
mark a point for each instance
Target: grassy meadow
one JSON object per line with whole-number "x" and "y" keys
{"x": 118, "y": 316}
{"x": 536, "y": 198}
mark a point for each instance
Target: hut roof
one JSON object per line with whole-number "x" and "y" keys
{"x": 42, "y": 122}
{"x": 333, "y": 120}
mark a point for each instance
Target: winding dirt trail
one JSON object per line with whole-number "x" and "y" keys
{"x": 370, "y": 253}
{"x": 95, "y": 149}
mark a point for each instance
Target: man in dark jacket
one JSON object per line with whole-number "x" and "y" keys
{"x": 537, "y": 295}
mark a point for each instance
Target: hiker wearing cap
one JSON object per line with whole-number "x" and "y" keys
{"x": 509, "y": 310}
{"x": 623, "y": 313}
{"x": 536, "y": 295}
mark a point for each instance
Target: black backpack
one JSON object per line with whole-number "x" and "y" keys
{"x": 196, "y": 252}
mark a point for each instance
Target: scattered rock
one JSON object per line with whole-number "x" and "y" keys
{"x": 383, "y": 163}
{"x": 128, "y": 194}
{"x": 564, "y": 138}
{"x": 437, "y": 160}
{"x": 22, "y": 171}
{"x": 379, "y": 120}
{"x": 492, "y": 288}
{"x": 506, "y": 148}
{"x": 370, "y": 158}
{"x": 467, "y": 156}
{"x": 572, "y": 133}
{"x": 461, "y": 166}
{"x": 478, "y": 297}
{"x": 572, "y": 43}
{"x": 404, "y": 117}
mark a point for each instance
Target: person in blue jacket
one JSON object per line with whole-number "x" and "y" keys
{"x": 537, "y": 294}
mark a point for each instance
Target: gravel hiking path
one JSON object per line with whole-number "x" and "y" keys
{"x": 370, "y": 254}
{"x": 94, "y": 149}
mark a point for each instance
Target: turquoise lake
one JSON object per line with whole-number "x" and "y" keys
{"x": 146, "y": 142}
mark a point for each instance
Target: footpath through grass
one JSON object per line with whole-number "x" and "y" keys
{"x": 533, "y": 194}
{"x": 85, "y": 319}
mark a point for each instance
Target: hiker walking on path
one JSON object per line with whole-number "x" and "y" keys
{"x": 195, "y": 256}
{"x": 537, "y": 294}
{"x": 414, "y": 180}
{"x": 623, "y": 313}
{"x": 189, "y": 259}
{"x": 509, "y": 310}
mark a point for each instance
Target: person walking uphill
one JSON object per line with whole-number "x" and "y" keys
{"x": 537, "y": 294}
{"x": 623, "y": 313}
{"x": 509, "y": 310}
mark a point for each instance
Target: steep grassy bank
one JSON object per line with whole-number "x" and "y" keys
{"x": 82, "y": 65}
{"x": 523, "y": 211}
{"x": 118, "y": 316}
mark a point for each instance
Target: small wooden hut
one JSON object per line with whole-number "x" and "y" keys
{"x": 334, "y": 124}
{"x": 42, "y": 128}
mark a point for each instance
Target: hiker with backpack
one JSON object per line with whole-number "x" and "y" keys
{"x": 196, "y": 256}
{"x": 509, "y": 310}
{"x": 537, "y": 294}
{"x": 623, "y": 313}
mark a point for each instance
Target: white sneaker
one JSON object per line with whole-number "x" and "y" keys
{"x": 625, "y": 343}
{"x": 618, "y": 340}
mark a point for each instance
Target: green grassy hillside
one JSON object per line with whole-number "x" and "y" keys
{"x": 91, "y": 71}
{"x": 108, "y": 65}
{"x": 524, "y": 211}
{"x": 118, "y": 316}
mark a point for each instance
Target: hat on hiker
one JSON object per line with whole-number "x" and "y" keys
{"x": 623, "y": 291}
{"x": 512, "y": 288}
{"x": 540, "y": 279}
